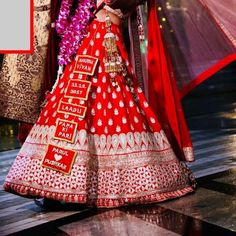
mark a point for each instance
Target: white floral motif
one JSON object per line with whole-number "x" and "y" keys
{"x": 98, "y": 35}
{"x": 71, "y": 75}
{"x": 95, "y": 80}
{"x": 85, "y": 51}
{"x": 103, "y": 141}
{"x": 93, "y": 95}
{"x": 114, "y": 96}
{"x": 130, "y": 139}
{"x": 124, "y": 120}
{"x": 53, "y": 98}
{"x": 81, "y": 102}
{"x": 80, "y": 76}
{"x": 116, "y": 112}
{"x": 153, "y": 120}
{"x": 106, "y": 130}
{"x": 110, "y": 122}
{"x": 97, "y": 53}
{"x": 136, "y": 120}
{"x": 109, "y": 105}
{"x": 108, "y": 89}
{"x": 61, "y": 85}
{"x": 121, "y": 104}
{"x": 131, "y": 104}
{"x": 99, "y": 69}
{"x": 104, "y": 79}
{"x": 91, "y": 42}
{"x": 92, "y": 129}
{"x": 54, "y": 105}
{"x": 115, "y": 141}
{"x": 118, "y": 129}
{"x": 93, "y": 113}
{"x": 82, "y": 136}
{"x": 140, "y": 90}
{"x": 99, "y": 89}
{"x": 99, "y": 122}
{"x": 104, "y": 95}
{"x": 137, "y": 138}
{"x": 145, "y": 104}
{"x": 99, "y": 106}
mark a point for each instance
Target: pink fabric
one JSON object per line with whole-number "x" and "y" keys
{"x": 224, "y": 12}
{"x": 197, "y": 45}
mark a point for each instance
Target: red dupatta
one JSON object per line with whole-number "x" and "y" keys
{"x": 163, "y": 95}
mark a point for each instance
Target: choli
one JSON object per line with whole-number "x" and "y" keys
{"x": 116, "y": 12}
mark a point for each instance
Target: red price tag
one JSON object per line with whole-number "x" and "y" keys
{"x": 85, "y": 64}
{"x": 59, "y": 159}
{"x": 72, "y": 109}
{"x": 65, "y": 130}
{"x": 78, "y": 89}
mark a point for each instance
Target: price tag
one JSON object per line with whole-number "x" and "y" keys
{"x": 72, "y": 109}
{"x": 78, "y": 89}
{"x": 59, "y": 159}
{"x": 65, "y": 130}
{"x": 85, "y": 64}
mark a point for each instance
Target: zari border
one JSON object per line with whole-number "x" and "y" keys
{"x": 99, "y": 202}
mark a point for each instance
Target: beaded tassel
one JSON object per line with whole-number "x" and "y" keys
{"x": 112, "y": 59}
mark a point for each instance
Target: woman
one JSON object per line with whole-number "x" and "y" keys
{"x": 97, "y": 141}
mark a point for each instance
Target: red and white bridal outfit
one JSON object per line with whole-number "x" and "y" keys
{"x": 120, "y": 153}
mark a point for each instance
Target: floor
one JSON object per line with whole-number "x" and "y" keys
{"x": 209, "y": 211}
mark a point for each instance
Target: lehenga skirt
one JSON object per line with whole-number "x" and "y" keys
{"x": 103, "y": 148}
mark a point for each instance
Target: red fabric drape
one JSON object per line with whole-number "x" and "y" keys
{"x": 163, "y": 93}
{"x": 24, "y": 129}
{"x": 53, "y": 47}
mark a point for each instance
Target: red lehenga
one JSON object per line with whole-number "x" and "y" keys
{"x": 120, "y": 154}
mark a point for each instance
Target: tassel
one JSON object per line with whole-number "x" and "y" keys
{"x": 112, "y": 59}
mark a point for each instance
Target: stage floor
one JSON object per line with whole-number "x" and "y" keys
{"x": 208, "y": 211}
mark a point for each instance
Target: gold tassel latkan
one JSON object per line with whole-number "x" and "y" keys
{"x": 112, "y": 60}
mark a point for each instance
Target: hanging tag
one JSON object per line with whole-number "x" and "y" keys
{"x": 65, "y": 130}
{"x": 72, "y": 109}
{"x": 85, "y": 64}
{"x": 59, "y": 159}
{"x": 78, "y": 89}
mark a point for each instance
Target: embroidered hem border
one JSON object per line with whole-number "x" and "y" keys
{"x": 99, "y": 202}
